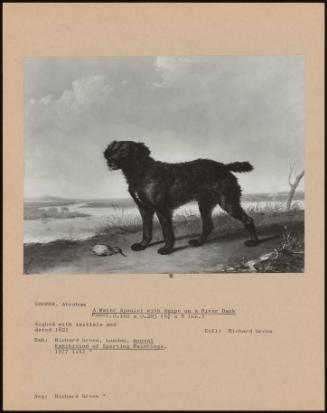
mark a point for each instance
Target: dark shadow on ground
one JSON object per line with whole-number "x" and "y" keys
{"x": 262, "y": 240}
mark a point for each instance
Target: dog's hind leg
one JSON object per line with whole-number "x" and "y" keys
{"x": 205, "y": 208}
{"x": 236, "y": 211}
{"x": 165, "y": 219}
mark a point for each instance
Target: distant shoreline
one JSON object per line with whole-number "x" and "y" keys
{"x": 127, "y": 202}
{"x": 36, "y": 213}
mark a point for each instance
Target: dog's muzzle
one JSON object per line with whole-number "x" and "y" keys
{"x": 112, "y": 165}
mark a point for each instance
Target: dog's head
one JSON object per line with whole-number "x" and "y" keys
{"x": 120, "y": 154}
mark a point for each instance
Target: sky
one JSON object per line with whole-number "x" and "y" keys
{"x": 226, "y": 108}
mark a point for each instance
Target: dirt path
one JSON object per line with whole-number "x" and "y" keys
{"x": 221, "y": 251}
{"x": 212, "y": 257}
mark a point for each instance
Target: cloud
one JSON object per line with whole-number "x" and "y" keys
{"x": 225, "y": 108}
{"x": 85, "y": 95}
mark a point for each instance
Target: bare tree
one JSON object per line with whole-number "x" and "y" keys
{"x": 297, "y": 178}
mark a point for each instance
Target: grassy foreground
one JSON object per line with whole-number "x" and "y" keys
{"x": 281, "y": 249}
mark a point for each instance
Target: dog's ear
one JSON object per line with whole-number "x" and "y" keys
{"x": 141, "y": 151}
{"x": 109, "y": 149}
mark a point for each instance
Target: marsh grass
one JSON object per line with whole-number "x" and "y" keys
{"x": 188, "y": 222}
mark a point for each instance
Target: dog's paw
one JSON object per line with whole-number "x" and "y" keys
{"x": 195, "y": 242}
{"x": 165, "y": 251}
{"x": 251, "y": 243}
{"x": 137, "y": 247}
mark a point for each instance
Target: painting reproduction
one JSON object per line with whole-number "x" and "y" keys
{"x": 164, "y": 165}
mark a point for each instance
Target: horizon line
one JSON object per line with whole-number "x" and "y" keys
{"x": 109, "y": 198}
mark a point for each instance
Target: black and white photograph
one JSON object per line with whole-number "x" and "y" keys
{"x": 164, "y": 165}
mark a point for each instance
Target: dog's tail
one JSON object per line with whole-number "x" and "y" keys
{"x": 239, "y": 166}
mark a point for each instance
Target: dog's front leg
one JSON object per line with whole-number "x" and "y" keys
{"x": 147, "y": 218}
{"x": 165, "y": 219}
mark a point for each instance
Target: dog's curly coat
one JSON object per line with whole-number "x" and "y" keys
{"x": 160, "y": 187}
